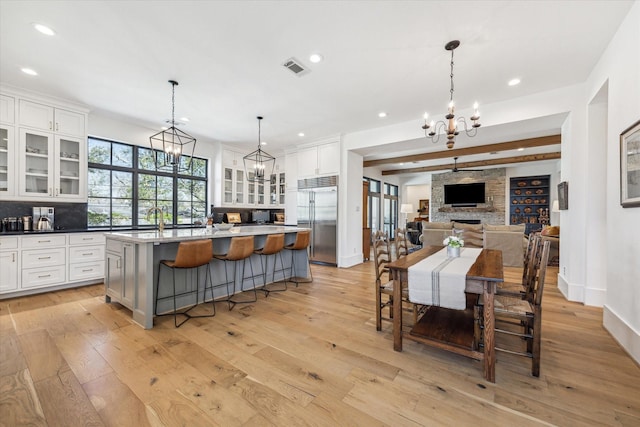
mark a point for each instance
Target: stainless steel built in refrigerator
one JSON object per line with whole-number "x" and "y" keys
{"x": 318, "y": 210}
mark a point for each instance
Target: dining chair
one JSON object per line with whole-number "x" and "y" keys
{"x": 384, "y": 284}
{"x": 523, "y": 315}
{"x": 401, "y": 243}
{"x": 520, "y": 289}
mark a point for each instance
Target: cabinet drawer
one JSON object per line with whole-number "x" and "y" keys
{"x": 86, "y": 271}
{"x": 35, "y": 258}
{"x": 86, "y": 238}
{"x": 40, "y": 241}
{"x": 8, "y": 243}
{"x": 43, "y": 276}
{"x": 114, "y": 246}
{"x": 78, "y": 254}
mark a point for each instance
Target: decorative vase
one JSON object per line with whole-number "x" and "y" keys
{"x": 453, "y": 252}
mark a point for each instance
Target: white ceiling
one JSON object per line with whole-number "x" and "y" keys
{"x": 117, "y": 56}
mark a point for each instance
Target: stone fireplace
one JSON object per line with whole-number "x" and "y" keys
{"x": 490, "y": 212}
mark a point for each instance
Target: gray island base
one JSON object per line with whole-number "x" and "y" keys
{"x": 133, "y": 257}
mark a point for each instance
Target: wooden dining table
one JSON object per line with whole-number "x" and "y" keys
{"x": 448, "y": 329}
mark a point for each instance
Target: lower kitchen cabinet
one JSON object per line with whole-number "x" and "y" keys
{"x": 120, "y": 272}
{"x": 50, "y": 261}
{"x": 9, "y": 260}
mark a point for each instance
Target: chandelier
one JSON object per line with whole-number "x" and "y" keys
{"x": 451, "y": 126}
{"x": 258, "y": 165}
{"x": 172, "y": 143}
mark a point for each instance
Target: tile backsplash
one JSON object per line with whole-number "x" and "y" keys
{"x": 68, "y": 216}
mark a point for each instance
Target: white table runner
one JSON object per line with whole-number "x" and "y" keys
{"x": 439, "y": 280}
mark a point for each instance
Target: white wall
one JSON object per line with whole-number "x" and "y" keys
{"x": 350, "y": 210}
{"x": 619, "y": 69}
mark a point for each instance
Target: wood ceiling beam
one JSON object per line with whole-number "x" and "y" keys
{"x": 480, "y": 149}
{"x": 479, "y": 163}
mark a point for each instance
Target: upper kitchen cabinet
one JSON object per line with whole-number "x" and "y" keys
{"x": 47, "y": 118}
{"x": 319, "y": 160}
{"x": 233, "y": 179}
{"x": 43, "y": 155}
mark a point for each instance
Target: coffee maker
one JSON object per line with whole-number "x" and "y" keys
{"x": 43, "y": 212}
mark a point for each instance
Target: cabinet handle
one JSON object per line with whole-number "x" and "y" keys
{"x": 86, "y": 270}
{"x": 42, "y": 277}
{"x": 44, "y": 241}
{"x": 87, "y": 253}
{"x": 50, "y": 191}
{"x": 44, "y": 257}
{"x": 57, "y": 126}
{"x": 13, "y": 257}
{"x": 56, "y": 192}
{"x": 50, "y": 125}
{"x": 87, "y": 238}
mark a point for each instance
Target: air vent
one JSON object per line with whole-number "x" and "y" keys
{"x": 295, "y": 66}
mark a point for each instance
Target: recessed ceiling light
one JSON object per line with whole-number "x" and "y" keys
{"x": 382, "y": 114}
{"x": 44, "y": 29}
{"x": 29, "y": 71}
{"x": 315, "y": 58}
{"x": 301, "y": 134}
{"x": 263, "y": 142}
{"x": 520, "y": 149}
{"x": 164, "y": 128}
{"x": 184, "y": 119}
{"x": 514, "y": 82}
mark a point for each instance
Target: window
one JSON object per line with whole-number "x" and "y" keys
{"x": 390, "y": 215}
{"x": 124, "y": 183}
{"x": 373, "y": 208}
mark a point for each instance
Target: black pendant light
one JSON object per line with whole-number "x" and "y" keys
{"x": 176, "y": 146}
{"x": 259, "y": 164}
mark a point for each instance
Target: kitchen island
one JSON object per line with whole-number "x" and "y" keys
{"x": 133, "y": 257}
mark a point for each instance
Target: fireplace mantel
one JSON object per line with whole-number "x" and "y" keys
{"x": 449, "y": 209}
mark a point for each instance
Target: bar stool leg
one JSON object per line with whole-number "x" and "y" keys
{"x": 273, "y": 274}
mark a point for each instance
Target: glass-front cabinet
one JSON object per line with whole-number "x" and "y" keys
{"x": 52, "y": 166}
{"x": 7, "y": 163}
{"x": 233, "y": 182}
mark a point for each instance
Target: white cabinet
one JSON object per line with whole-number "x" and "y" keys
{"x": 9, "y": 264}
{"x": 43, "y": 150}
{"x": 319, "y": 160}
{"x": 52, "y": 166}
{"x": 233, "y": 180}
{"x": 7, "y": 109}
{"x": 43, "y": 261}
{"x": 120, "y": 272}
{"x": 8, "y": 170}
{"x": 86, "y": 256}
{"x": 277, "y": 189}
{"x": 48, "y": 118}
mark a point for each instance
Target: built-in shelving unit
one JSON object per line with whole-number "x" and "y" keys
{"x": 529, "y": 201}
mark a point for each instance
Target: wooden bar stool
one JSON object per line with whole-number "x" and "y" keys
{"x": 191, "y": 254}
{"x": 273, "y": 245}
{"x": 303, "y": 239}
{"x": 240, "y": 248}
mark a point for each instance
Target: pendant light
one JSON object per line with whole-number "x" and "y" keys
{"x": 450, "y": 126}
{"x": 259, "y": 164}
{"x": 176, "y": 147}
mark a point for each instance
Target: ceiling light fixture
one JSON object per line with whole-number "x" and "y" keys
{"x": 514, "y": 82}
{"x": 173, "y": 143}
{"x": 258, "y": 165}
{"x": 315, "y": 58}
{"x": 44, "y": 29}
{"x": 451, "y": 126}
{"x": 301, "y": 134}
{"x": 382, "y": 114}
{"x": 29, "y": 71}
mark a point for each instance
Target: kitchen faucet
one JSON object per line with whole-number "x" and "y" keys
{"x": 161, "y": 223}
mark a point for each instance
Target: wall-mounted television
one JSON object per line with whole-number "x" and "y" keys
{"x": 464, "y": 194}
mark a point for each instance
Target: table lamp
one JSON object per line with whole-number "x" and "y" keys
{"x": 406, "y": 208}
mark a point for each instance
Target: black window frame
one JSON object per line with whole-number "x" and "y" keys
{"x": 136, "y": 171}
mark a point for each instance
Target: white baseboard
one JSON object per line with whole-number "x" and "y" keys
{"x": 350, "y": 261}
{"x": 622, "y": 332}
{"x": 595, "y": 297}
{"x": 571, "y": 291}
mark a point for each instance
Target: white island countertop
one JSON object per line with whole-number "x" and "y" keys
{"x": 182, "y": 234}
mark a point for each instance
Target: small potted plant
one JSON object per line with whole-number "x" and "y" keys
{"x": 453, "y": 244}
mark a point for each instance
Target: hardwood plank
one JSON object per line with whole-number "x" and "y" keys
{"x": 175, "y": 410}
{"x": 65, "y": 403}
{"x": 19, "y": 403}
{"x": 85, "y": 362}
{"x": 43, "y": 357}
{"x": 107, "y": 393}
{"x": 11, "y": 357}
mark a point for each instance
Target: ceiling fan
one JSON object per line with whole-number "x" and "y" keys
{"x": 455, "y": 167}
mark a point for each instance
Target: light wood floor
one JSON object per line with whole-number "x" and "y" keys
{"x": 309, "y": 356}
